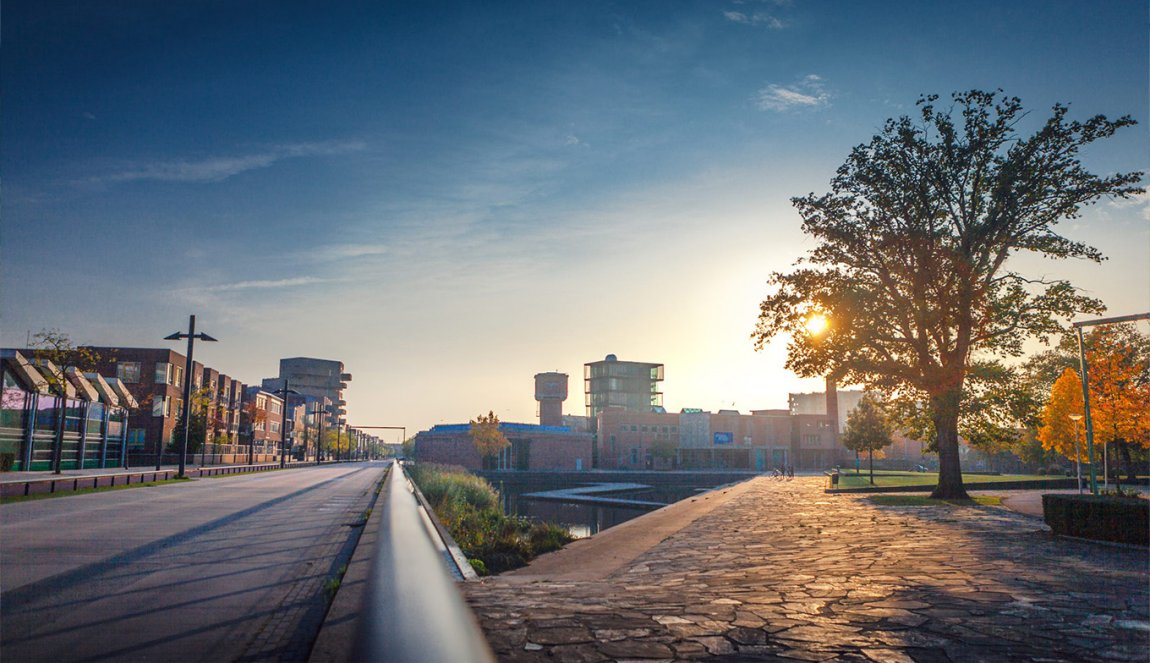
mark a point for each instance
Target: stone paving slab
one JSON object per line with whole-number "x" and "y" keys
{"x": 781, "y": 571}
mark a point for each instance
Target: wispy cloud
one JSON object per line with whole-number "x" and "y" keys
{"x": 1138, "y": 200}
{"x": 808, "y": 93}
{"x": 755, "y": 19}
{"x": 341, "y": 251}
{"x": 215, "y": 169}
{"x": 264, "y": 285}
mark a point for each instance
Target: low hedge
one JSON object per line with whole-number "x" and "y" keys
{"x": 1103, "y": 517}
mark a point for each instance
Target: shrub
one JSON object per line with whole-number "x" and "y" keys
{"x": 1103, "y": 518}
{"x": 471, "y": 509}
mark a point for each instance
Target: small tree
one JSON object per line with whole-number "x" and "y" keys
{"x": 56, "y": 355}
{"x": 1059, "y": 432}
{"x": 486, "y": 436}
{"x": 868, "y": 429}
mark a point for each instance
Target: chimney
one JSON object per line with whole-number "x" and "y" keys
{"x": 833, "y": 405}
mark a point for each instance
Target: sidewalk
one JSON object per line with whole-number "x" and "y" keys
{"x": 780, "y": 570}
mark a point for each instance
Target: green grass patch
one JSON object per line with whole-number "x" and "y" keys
{"x": 471, "y": 509}
{"x": 848, "y": 479}
{"x": 923, "y": 500}
{"x": 85, "y": 491}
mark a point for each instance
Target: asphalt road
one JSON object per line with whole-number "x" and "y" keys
{"x": 217, "y": 569}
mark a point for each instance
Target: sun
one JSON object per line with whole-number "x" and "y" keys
{"x": 816, "y": 324}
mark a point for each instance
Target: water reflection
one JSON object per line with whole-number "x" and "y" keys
{"x": 583, "y": 520}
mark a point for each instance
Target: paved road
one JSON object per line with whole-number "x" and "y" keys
{"x": 219, "y": 569}
{"x": 778, "y": 570}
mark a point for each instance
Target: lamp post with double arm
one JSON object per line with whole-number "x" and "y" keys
{"x": 284, "y": 390}
{"x": 191, "y": 335}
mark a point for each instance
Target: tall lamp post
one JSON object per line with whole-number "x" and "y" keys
{"x": 191, "y": 335}
{"x": 1077, "y": 456}
{"x": 284, "y": 390}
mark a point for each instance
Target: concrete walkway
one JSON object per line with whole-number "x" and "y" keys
{"x": 771, "y": 570}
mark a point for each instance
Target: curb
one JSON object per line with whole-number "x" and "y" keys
{"x": 337, "y": 633}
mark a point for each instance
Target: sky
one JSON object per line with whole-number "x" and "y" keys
{"x": 451, "y": 197}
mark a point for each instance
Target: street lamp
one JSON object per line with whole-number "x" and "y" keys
{"x": 1077, "y": 456}
{"x": 191, "y": 335}
{"x": 283, "y": 421}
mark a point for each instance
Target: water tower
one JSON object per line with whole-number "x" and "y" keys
{"x": 550, "y": 391}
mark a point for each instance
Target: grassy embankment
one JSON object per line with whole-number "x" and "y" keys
{"x": 471, "y": 510}
{"x": 923, "y": 500}
{"x": 848, "y": 479}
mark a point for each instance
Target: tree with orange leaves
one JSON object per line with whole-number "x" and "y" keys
{"x": 1119, "y": 367}
{"x": 1058, "y": 431}
{"x": 486, "y": 436}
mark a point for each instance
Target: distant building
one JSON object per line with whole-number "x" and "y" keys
{"x": 550, "y": 392}
{"x": 263, "y": 420}
{"x": 322, "y": 378}
{"x": 816, "y": 403}
{"x": 728, "y": 439}
{"x": 630, "y": 385}
{"x": 531, "y": 448}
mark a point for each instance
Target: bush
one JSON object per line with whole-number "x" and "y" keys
{"x": 1103, "y": 518}
{"x": 471, "y": 509}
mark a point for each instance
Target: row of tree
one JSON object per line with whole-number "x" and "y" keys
{"x": 1044, "y": 404}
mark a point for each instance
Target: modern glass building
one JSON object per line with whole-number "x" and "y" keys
{"x": 80, "y": 423}
{"x": 631, "y": 385}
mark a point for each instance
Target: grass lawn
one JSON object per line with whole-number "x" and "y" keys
{"x": 847, "y": 479}
{"x": 922, "y": 500}
{"x": 84, "y": 491}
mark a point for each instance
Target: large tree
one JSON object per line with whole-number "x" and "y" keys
{"x": 911, "y": 258}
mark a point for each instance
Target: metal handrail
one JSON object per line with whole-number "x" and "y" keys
{"x": 413, "y": 611}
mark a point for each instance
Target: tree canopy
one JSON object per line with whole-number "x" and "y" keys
{"x": 486, "y": 436}
{"x": 1059, "y": 432}
{"x": 910, "y": 265}
{"x": 868, "y": 429}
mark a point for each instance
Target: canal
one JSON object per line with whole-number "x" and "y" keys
{"x": 586, "y": 503}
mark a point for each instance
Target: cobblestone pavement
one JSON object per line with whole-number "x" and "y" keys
{"x": 782, "y": 571}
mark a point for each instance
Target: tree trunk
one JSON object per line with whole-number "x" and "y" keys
{"x": 944, "y": 413}
{"x": 1124, "y": 446}
{"x": 872, "y": 467}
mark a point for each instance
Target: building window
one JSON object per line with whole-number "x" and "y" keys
{"x": 634, "y": 456}
{"x": 163, "y": 373}
{"x": 275, "y": 408}
{"x": 812, "y": 440}
{"x": 128, "y": 371}
{"x": 160, "y": 407}
{"x": 634, "y": 428}
{"x": 275, "y": 427}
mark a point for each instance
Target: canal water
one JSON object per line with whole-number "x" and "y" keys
{"x": 582, "y": 519}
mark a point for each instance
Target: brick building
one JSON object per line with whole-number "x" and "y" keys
{"x": 532, "y": 448}
{"x": 155, "y": 378}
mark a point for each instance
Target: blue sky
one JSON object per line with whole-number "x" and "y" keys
{"x": 452, "y": 197}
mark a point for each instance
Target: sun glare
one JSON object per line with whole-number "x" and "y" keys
{"x": 816, "y": 324}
